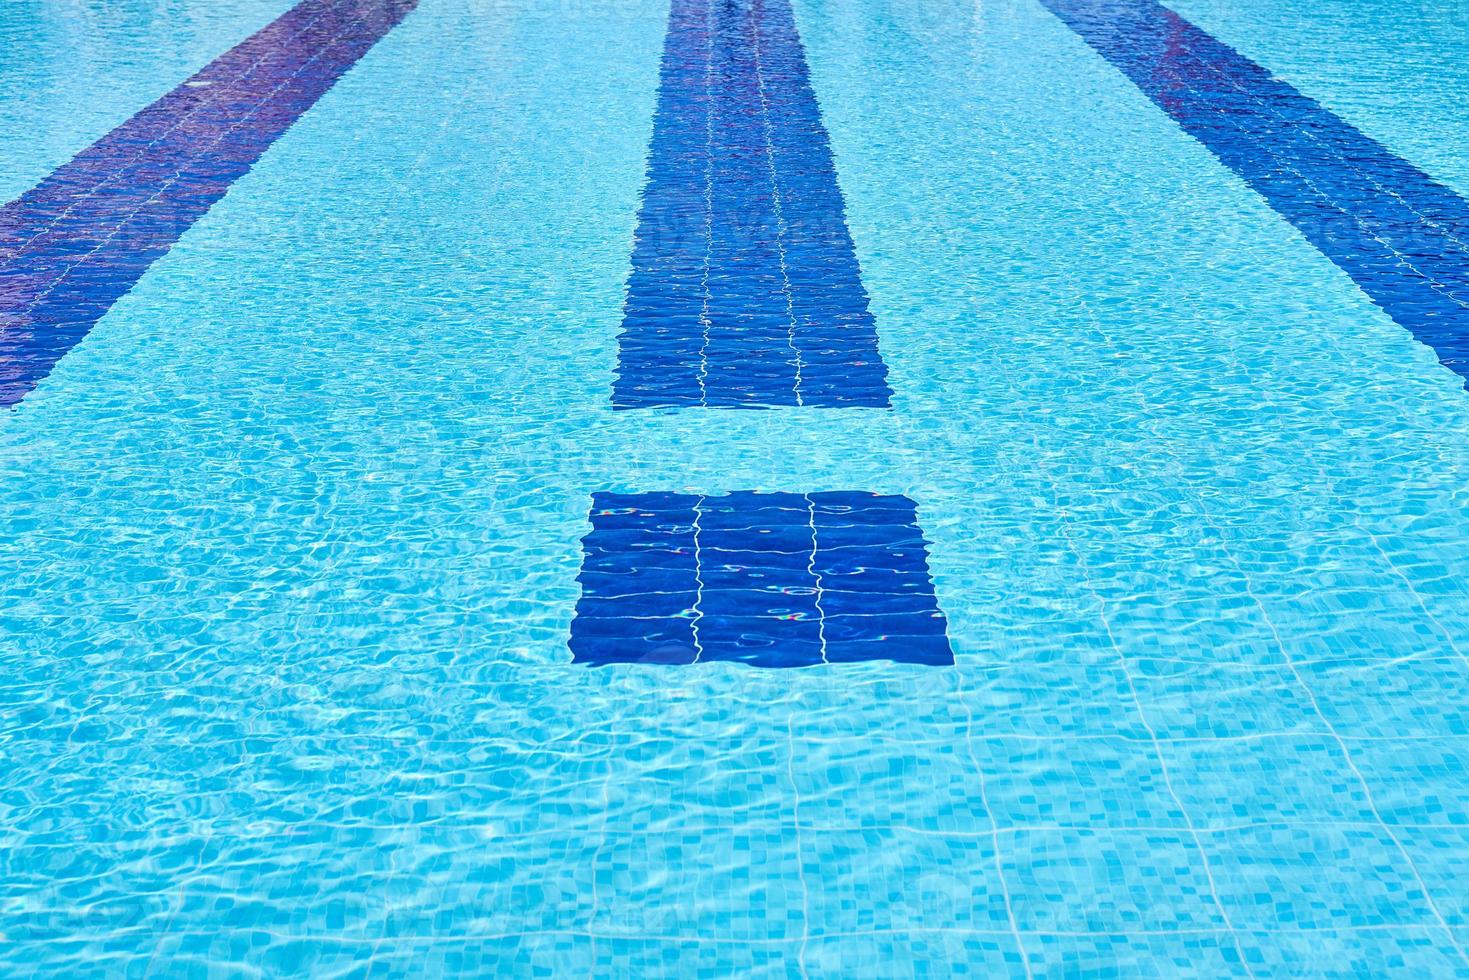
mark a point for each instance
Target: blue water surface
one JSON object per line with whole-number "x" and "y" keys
{"x": 292, "y": 540}
{"x": 74, "y": 70}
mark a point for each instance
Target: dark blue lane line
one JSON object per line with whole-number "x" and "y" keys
{"x": 745, "y": 290}
{"x": 763, "y": 579}
{"x": 78, "y": 241}
{"x": 1398, "y": 233}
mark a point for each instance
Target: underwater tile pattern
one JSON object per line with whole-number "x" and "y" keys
{"x": 77, "y": 242}
{"x": 745, "y": 290}
{"x": 292, "y": 546}
{"x": 1402, "y": 236}
{"x": 764, "y": 579}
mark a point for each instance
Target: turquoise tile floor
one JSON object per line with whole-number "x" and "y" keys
{"x": 293, "y": 535}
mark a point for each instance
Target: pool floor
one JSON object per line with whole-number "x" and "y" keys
{"x": 734, "y": 487}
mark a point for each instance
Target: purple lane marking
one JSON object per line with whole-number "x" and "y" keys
{"x": 1402, "y": 236}
{"x": 73, "y": 245}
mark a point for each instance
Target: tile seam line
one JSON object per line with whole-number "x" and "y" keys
{"x": 781, "y": 229}
{"x": 994, "y": 831}
{"x": 1139, "y": 830}
{"x": 800, "y": 860}
{"x": 1305, "y": 734}
{"x": 816, "y": 577}
{"x": 698, "y": 579}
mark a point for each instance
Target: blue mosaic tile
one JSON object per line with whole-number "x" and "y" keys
{"x": 922, "y": 953}
{"x": 1384, "y": 698}
{"x": 557, "y": 954}
{"x": 1184, "y": 700}
{"x": 1416, "y": 781}
{"x": 1117, "y": 881}
{"x": 765, "y": 579}
{"x": 867, "y": 783}
{"x": 78, "y": 241}
{"x": 1291, "y": 778}
{"x": 684, "y": 781}
{"x": 1315, "y": 877}
{"x": 1067, "y": 698}
{"x": 1332, "y": 953}
{"x": 1121, "y": 956}
{"x": 663, "y": 888}
{"x": 885, "y": 881}
{"x": 1441, "y": 855}
{"x": 1076, "y": 782}
{"x": 1397, "y": 232}
{"x": 745, "y": 290}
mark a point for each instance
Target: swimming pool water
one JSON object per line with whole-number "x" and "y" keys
{"x": 297, "y": 535}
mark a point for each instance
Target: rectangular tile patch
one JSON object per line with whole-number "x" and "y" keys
{"x": 765, "y": 579}
{"x": 1402, "y": 236}
{"x": 745, "y": 290}
{"x": 78, "y": 241}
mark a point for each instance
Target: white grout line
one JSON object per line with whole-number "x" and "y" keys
{"x": 698, "y": 580}
{"x": 800, "y": 861}
{"x": 816, "y": 576}
{"x": 781, "y": 230}
{"x": 994, "y": 834}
